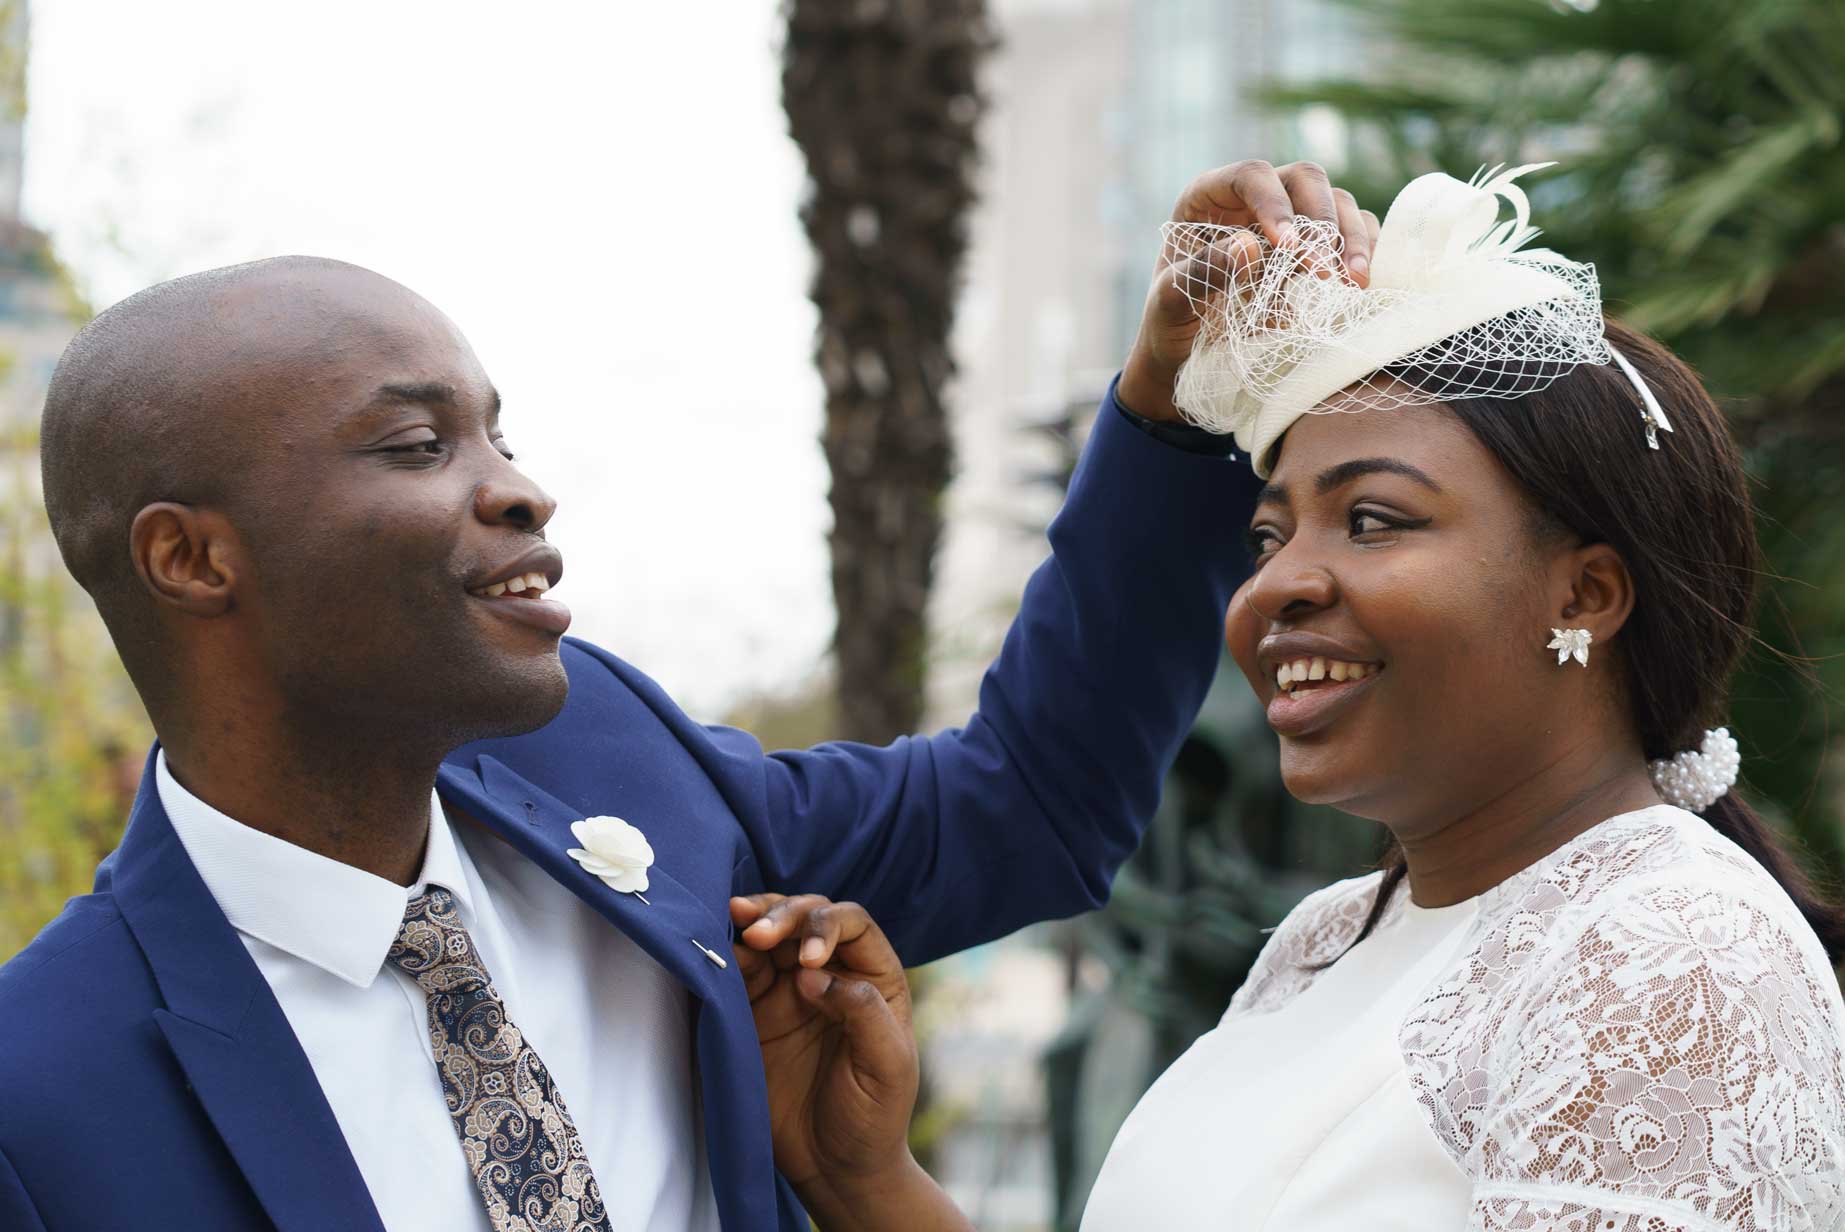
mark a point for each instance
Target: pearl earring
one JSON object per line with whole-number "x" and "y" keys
{"x": 1570, "y": 642}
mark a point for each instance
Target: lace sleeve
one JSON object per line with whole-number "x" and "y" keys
{"x": 1319, "y": 927}
{"x": 1676, "y": 1069}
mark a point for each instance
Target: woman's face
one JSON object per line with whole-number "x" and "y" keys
{"x": 1394, "y": 551}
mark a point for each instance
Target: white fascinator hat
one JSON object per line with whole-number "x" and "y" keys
{"x": 1457, "y": 307}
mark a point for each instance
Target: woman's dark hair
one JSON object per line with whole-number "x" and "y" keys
{"x": 1683, "y": 524}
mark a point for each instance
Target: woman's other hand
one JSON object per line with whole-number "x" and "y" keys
{"x": 1247, "y": 193}
{"x": 832, "y": 1012}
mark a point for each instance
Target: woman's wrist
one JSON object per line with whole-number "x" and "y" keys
{"x": 1145, "y": 387}
{"x": 900, "y": 1198}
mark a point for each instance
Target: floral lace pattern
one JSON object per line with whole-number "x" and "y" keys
{"x": 1319, "y": 928}
{"x": 1640, "y": 1034}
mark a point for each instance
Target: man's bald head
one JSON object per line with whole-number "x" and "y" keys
{"x": 290, "y": 474}
{"x": 286, "y": 485}
{"x": 146, "y": 405}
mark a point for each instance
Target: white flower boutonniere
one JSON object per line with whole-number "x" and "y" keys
{"x": 617, "y": 852}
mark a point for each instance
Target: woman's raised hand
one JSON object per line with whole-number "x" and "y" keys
{"x": 1248, "y": 193}
{"x": 832, "y": 1012}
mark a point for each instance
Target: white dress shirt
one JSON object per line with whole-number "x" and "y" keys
{"x": 612, "y": 1027}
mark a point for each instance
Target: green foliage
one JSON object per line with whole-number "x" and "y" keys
{"x": 801, "y": 717}
{"x": 1700, "y": 169}
{"x": 12, "y": 59}
{"x": 74, "y": 730}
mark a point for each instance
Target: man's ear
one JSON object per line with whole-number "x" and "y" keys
{"x": 1597, "y": 592}
{"x": 185, "y": 557}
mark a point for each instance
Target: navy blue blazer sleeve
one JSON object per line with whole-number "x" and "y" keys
{"x": 1026, "y": 812}
{"x": 17, "y": 1213}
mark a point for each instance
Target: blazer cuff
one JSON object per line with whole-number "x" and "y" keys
{"x": 1188, "y": 437}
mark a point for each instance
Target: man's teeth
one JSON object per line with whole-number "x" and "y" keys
{"x": 1320, "y": 669}
{"x": 518, "y": 585}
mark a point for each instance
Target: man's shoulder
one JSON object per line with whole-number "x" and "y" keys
{"x": 78, "y": 937}
{"x": 79, "y": 980}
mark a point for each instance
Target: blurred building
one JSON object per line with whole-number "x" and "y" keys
{"x": 1101, "y": 112}
{"x": 38, "y": 315}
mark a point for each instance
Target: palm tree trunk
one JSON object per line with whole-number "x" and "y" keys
{"x": 881, "y": 97}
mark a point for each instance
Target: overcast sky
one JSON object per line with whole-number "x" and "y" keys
{"x": 602, "y": 196}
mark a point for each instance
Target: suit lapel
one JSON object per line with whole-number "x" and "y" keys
{"x": 670, "y": 926}
{"x": 735, "y": 1099}
{"x": 229, "y": 1035}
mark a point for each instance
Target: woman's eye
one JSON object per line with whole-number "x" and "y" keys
{"x": 1368, "y": 522}
{"x": 1261, "y": 540}
{"x": 429, "y": 448}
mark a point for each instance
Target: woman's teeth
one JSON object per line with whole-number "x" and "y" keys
{"x": 533, "y": 582}
{"x": 1301, "y": 670}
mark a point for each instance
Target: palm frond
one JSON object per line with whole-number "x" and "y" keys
{"x": 1687, "y": 214}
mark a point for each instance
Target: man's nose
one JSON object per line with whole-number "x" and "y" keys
{"x": 506, "y": 495}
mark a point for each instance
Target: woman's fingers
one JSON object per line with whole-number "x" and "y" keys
{"x": 1269, "y": 197}
{"x": 1231, "y": 260}
{"x": 776, "y": 916}
{"x": 1356, "y": 236}
{"x": 746, "y": 909}
{"x": 827, "y": 927}
{"x": 1310, "y": 192}
{"x": 1239, "y": 194}
{"x": 809, "y": 930}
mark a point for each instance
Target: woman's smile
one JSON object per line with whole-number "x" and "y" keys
{"x": 1316, "y": 678}
{"x": 1307, "y": 706}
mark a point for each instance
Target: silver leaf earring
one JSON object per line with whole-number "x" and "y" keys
{"x": 1570, "y": 642}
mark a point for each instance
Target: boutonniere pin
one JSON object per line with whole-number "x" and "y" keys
{"x": 616, "y": 852}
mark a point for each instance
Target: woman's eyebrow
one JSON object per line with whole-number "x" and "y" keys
{"x": 1337, "y": 476}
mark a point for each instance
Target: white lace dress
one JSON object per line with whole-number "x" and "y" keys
{"x": 1638, "y": 1033}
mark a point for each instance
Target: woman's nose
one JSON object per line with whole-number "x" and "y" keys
{"x": 1285, "y": 587}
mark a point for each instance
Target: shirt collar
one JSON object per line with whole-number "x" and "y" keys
{"x": 339, "y": 918}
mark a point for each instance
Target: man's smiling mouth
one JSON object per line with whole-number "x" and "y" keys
{"x": 525, "y": 586}
{"x": 523, "y": 599}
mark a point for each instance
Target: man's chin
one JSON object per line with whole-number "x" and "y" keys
{"x": 525, "y": 698}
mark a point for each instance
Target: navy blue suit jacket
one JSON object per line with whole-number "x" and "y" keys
{"x": 148, "y": 1078}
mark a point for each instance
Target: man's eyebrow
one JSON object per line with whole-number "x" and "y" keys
{"x": 1336, "y": 476}
{"x": 426, "y": 393}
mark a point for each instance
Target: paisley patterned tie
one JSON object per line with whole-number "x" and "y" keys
{"x": 520, "y": 1142}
